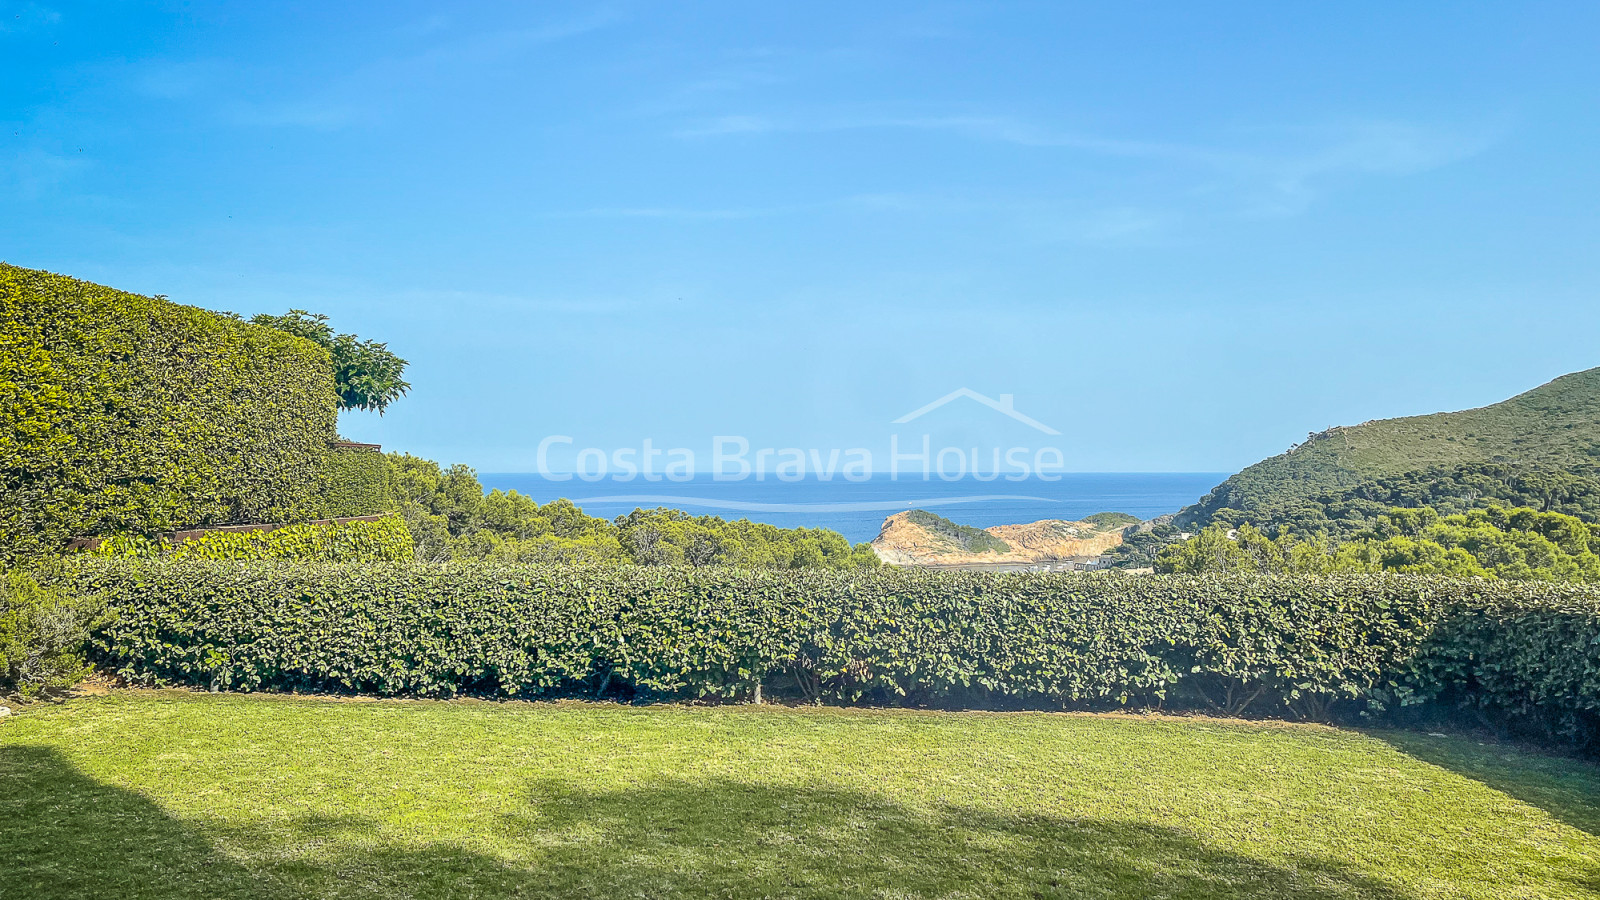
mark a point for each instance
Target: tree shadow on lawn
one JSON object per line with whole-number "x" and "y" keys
{"x": 1567, "y": 788}
{"x": 732, "y": 839}
{"x": 63, "y": 834}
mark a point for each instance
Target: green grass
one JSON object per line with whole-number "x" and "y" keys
{"x": 146, "y": 794}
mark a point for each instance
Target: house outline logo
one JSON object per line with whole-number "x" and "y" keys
{"x": 1005, "y": 405}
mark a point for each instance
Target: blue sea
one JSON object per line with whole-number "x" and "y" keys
{"x": 857, "y": 509}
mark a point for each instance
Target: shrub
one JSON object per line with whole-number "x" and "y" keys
{"x": 383, "y": 540}
{"x": 964, "y": 537}
{"x": 129, "y": 414}
{"x": 1520, "y": 657}
{"x": 889, "y": 636}
{"x": 357, "y": 484}
{"x": 1111, "y": 520}
{"x": 1524, "y": 657}
{"x": 42, "y": 636}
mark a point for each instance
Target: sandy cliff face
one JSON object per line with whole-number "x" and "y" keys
{"x": 903, "y": 542}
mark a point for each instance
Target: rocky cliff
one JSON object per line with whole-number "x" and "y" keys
{"x": 917, "y": 538}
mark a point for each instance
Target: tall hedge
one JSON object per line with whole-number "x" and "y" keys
{"x": 1524, "y": 656}
{"x": 1518, "y": 656}
{"x": 128, "y": 414}
{"x": 358, "y": 483}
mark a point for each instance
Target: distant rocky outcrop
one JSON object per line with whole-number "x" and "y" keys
{"x": 920, "y": 538}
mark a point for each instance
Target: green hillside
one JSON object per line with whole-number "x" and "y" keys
{"x": 1554, "y": 426}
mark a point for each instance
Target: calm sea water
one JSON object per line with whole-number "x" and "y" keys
{"x": 857, "y": 509}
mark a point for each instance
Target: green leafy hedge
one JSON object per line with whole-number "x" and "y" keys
{"x": 382, "y": 540}
{"x": 129, "y": 414}
{"x": 358, "y": 484}
{"x": 1524, "y": 655}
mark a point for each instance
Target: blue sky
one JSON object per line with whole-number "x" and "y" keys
{"x": 1183, "y": 237}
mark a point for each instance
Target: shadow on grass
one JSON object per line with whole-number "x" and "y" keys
{"x": 63, "y": 834}
{"x": 732, "y": 839}
{"x": 1566, "y": 788}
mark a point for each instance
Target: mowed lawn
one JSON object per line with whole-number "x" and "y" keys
{"x": 172, "y": 794}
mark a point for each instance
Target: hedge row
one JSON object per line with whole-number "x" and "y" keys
{"x": 1310, "y": 646}
{"x": 129, "y": 414}
{"x": 1520, "y": 653}
{"x": 358, "y": 484}
{"x": 383, "y": 540}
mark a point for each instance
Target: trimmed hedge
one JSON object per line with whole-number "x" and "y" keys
{"x": 1519, "y": 654}
{"x": 129, "y": 414}
{"x": 358, "y": 484}
{"x": 384, "y": 540}
{"x": 1523, "y": 655}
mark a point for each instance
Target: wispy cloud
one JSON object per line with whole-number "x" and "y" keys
{"x": 1291, "y": 181}
{"x": 998, "y": 129}
{"x": 879, "y": 202}
{"x": 681, "y": 213}
{"x": 490, "y": 306}
{"x": 311, "y": 113}
{"x": 1115, "y": 225}
{"x": 1032, "y": 221}
{"x": 362, "y": 93}
{"x": 1269, "y": 172}
{"x": 724, "y": 125}
{"x": 491, "y": 45}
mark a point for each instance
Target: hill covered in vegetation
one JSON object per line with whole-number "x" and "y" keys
{"x": 1339, "y": 515}
{"x": 1552, "y": 428}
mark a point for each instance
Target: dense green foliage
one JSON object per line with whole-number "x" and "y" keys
{"x": 1111, "y": 519}
{"x": 1485, "y": 519}
{"x": 1523, "y": 655}
{"x": 1228, "y": 643}
{"x": 1140, "y": 546}
{"x": 382, "y": 540}
{"x": 1339, "y": 515}
{"x": 683, "y": 632}
{"x": 129, "y": 414}
{"x": 452, "y": 518}
{"x": 1554, "y": 427}
{"x": 672, "y": 537}
{"x": 357, "y": 484}
{"x": 368, "y": 374}
{"x": 964, "y": 538}
{"x": 43, "y": 635}
{"x": 1491, "y": 542}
